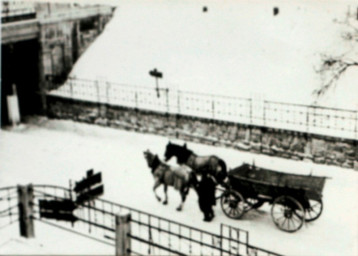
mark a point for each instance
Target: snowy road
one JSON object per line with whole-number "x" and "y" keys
{"x": 55, "y": 151}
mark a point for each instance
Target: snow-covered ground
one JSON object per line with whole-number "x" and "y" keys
{"x": 52, "y": 152}
{"x": 49, "y": 240}
{"x": 236, "y": 48}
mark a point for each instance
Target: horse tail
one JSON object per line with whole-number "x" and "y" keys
{"x": 223, "y": 172}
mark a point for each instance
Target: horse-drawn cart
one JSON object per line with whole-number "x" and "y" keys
{"x": 294, "y": 198}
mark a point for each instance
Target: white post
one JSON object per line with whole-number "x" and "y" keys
{"x": 123, "y": 228}
{"x": 13, "y": 107}
{"x": 25, "y": 198}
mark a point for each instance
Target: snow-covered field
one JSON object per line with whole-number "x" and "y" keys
{"x": 52, "y": 152}
{"x": 236, "y": 48}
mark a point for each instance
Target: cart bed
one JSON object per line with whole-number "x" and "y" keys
{"x": 262, "y": 181}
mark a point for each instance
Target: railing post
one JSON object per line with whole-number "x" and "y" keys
{"x": 136, "y": 99}
{"x": 108, "y": 87}
{"x": 264, "y": 113}
{"x": 179, "y": 95}
{"x": 356, "y": 125}
{"x": 167, "y": 99}
{"x": 25, "y": 199}
{"x": 123, "y": 229}
{"x": 307, "y": 119}
{"x": 250, "y": 111}
{"x": 97, "y": 90}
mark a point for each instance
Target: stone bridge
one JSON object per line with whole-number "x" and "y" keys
{"x": 42, "y": 41}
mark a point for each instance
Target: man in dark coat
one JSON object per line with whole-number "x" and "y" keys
{"x": 206, "y": 193}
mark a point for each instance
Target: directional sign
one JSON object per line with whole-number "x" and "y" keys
{"x": 58, "y": 209}
{"x": 156, "y": 73}
{"x": 89, "y": 188}
{"x": 88, "y": 182}
{"x": 90, "y": 194}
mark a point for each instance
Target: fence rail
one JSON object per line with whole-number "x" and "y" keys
{"x": 150, "y": 234}
{"x": 9, "y": 212}
{"x": 296, "y": 117}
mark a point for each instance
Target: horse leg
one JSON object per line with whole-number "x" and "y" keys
{"x": 180, "y": 207}
{"x": 183, "y": 193}
{"x": 156, "y": 185}
{"x": 166, "y": 195}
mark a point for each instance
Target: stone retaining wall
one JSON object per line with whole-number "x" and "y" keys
{"x": 279, "y": 143}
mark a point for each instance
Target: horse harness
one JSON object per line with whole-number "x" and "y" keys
{"x": 200, "y": 163}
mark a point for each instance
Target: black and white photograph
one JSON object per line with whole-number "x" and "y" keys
{"x": 179, "y": 127}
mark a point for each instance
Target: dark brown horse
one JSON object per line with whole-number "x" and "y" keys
{"x": 181, "y": 177}
{"x": 211, "y": 164}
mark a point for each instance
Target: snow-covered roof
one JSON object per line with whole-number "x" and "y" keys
{"x": 239, "y": 48}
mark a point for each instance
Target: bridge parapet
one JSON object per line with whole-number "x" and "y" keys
{"x": 14, "y": 10}
{"x": 74, "y": 13}
{"x": 13, "y": 32}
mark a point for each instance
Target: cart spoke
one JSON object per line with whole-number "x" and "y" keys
{"x": 236, "y": 212}
{"x": 296, "y": 217}
{"x": 284, "y": 221}
{"x": 227, "y": 208}
{"x": 288, "y": 224}
{"x": 309, "y": 213}
{"x": 230, "y": 211}
{"x": 279, "y": 218}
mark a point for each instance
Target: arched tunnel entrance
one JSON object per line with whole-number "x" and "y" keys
{"x": 20, "y": 66}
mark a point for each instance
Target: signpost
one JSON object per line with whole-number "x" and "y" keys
{"x": 156, "y": 74}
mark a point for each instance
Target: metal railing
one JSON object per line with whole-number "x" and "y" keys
{"x": 296, "y": 117}
{"x": 150, "y": 234}
{"x": 9, "y": 212}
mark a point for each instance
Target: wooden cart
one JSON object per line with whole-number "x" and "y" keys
{"x": 294, "y": 198}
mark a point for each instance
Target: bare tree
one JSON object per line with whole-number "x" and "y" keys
{"x": 333, "y": 66}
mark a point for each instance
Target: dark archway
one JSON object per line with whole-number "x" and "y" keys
{"x": 20, "y": 66}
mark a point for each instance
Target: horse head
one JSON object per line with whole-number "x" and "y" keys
{"x": 181, "y": 152}
{"x": 153, "y": 161}
{"x": 149, "y": 156}
{"x": 169, "y": 151}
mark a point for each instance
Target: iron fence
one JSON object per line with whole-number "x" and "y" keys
{"x": 9, "y": 212}
{"x": 296, "y": 117}
{"x": 150, "y": 234}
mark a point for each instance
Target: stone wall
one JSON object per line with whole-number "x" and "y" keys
{"x": 66, "y": 31}
{"x": 274, "y": 142}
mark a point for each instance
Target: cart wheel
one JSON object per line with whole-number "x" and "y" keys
{"x": 233, "y": 204}
{"x": 314, "y": 211}
{"x": 287, "y": 213}
{"x": 253, "y": 203}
